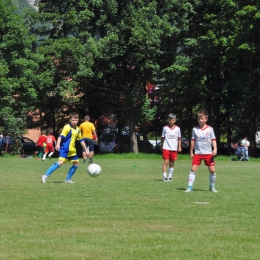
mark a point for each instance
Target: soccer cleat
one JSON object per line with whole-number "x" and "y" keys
{"x": 69, "y": 181}
{"x": 165, "y": 179}
{"x": 189, "y": 189}
{"x": 90, "y": 160}
{"x": 169, "y": 179}
{"x": 49, "y": 157}
{"x": 84, "y": 160}
{"x": 44, "y": 178}
{"x": 212, "y": 189}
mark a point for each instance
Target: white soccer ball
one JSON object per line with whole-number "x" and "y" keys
{"x": 94, "y": 170}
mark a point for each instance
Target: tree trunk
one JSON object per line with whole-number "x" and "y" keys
{"x": 133, "y": 137}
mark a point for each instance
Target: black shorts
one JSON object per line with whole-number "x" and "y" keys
{"x": 89, "y": 143}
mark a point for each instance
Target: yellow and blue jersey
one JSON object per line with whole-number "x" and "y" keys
{"x": 69, "y": 136}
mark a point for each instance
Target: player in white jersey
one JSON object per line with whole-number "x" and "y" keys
{"x": 202, "y": 141}
{"x": 170, "y": 144}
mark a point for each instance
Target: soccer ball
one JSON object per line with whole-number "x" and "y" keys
{"x": 94, "y": 170}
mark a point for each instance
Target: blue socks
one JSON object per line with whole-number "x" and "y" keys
{"x": 52, "y": 169}
{"x": 72, "y": 170}
{"x": 55, "y": 166}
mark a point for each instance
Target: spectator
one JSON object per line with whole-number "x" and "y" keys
{"x": 88, "y": 132}
{"x": 1, "y": 142}
{"x": 245, "y": 144}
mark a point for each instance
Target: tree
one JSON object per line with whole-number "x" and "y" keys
{"x": 18, "y": 70}
{"x": 118, "y": 49}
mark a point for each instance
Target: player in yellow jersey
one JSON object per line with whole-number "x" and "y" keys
{"x": 66, "y": 146}
{"x": 88, "y": 131}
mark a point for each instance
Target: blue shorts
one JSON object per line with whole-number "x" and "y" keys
{"x": 89, "y": 143}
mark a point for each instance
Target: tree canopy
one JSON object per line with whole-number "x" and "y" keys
{"x": 97, "y": 57}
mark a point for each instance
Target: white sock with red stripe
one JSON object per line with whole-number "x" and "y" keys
{"x": 191, "y": 179}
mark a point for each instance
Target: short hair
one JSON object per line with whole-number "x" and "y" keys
{"x": 50, "y": 132}
{"x": 171, "y": 116}
{"x": 87, "y": 118}
{"x": 203, "y": 112}
{"x": 73, "y": 114}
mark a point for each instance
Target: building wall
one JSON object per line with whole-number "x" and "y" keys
{"x": 33, "y": 133}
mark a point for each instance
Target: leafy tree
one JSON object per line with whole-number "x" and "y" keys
{"x": 99, "y": 55}
{"x": 116, "y": 50}
{"x": 18, "y": 70}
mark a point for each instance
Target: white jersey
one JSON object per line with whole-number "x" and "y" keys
{"x": 171, "y": 137}
{"x": 203, "y": 139}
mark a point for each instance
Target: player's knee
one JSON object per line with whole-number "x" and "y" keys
{"x": 60, "y": 163}
{"x": 194, "y": 168}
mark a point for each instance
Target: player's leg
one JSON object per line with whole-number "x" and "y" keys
{"x": 53, "y": 168}
{"x": 212, "y": 178}
{"x": 166, "y": 157}
{"x": 51, "y": 150}
{"x": 91, "y": 150}
{"x": 84, "y": 153}
{"x": 71, "y": 171}
{"x": 173, "y": 157}
{"x": 209, "y": 161}
{"x": 45, "y": 154}
{"x": 171, "y": 170}
{"x": 164, "y": 169}
{"x": 41, "y": 152}
{"x": 196, "y": 161}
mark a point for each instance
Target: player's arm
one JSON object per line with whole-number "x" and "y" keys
{"x": 162, "y": 140}
{"x": 95, "y": 134}
{"x": 179, "y": 145}
{"x": 214, "y": 145}
{"x": 57, "y": 146}
{"x": 192, "y": 144}
{"x": 83, "y": 145}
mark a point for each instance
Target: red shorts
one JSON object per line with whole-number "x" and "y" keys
{"x": 49, "y": 149}
{"x": 170, "y": 155}
{"x": 208, "y": 159}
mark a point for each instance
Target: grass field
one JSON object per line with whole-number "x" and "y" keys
{"x": 128, "y": 212}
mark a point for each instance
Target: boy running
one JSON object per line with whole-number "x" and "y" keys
{"x": 203, "y": 139}
{"x": 66, "y": 146}
{"x": 50, "y": 140}
{"x": 40, "y": 144}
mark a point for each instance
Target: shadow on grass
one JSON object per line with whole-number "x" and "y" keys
{"x": 192, "y": 190}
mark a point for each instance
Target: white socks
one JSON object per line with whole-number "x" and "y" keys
{"x": 191, "y": 179}
{"x": 171, "y": 170}
{"x": 212, "y": 179}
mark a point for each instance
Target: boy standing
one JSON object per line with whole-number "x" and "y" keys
{"x": 50, "y": 140}
{"x": 245, "y": 144}
{"x": 88, "y": 131}
{"x": 170, "y": 144}
{"x": 203, "y": 139}
{"x": 66, "y": 146}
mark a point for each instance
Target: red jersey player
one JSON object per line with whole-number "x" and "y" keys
{"x": 50, "y": 140}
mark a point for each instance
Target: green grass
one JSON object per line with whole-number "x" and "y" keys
{"x": 128, "y": 212}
